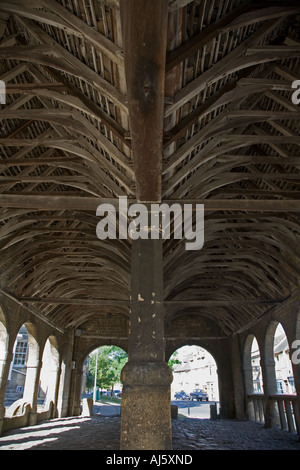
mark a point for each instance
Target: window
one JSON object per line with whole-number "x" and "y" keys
{"x": 20, "y": 354}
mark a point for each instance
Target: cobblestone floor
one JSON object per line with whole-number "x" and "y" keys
{"x": 102, "y": 433}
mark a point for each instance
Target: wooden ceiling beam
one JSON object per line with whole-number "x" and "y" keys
{"x": 85, "y": 204}
{"x": 36, "y": 313}
{"x": 167, "y": 303}
{"x": 144, "y": 30}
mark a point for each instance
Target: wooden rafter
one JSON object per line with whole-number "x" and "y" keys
{"x": 192, "y": 105}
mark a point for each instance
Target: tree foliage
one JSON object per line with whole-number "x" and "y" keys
{"x": 111, "y": 361}
{"x": 173, "y": 360}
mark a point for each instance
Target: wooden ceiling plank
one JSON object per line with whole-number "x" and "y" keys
{"x": 63, "y": 19}
{"x": 96, "y": 39}
{"x": 202, "y": 38}
{"x": 66, "y": 61}
{"x": 75, "y": 99}
{"x": 38, "y": 15}
{"x": 235, "y": 60}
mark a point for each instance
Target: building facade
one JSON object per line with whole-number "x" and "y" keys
{"x": 198, "y": 370}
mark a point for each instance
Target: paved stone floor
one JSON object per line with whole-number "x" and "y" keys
{"x": 103, "y": 433}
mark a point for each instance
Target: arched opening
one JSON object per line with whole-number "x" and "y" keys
{"x": 253, "y": 379}
{"x": 283, "y": 365}
{"x": 195, "y": 381}
{"x": 295, "y": 355}
{"x": 49, "y": 373}
{"x": 18, "y": 367}
{"x": 251, "y": 366}
{"x": 25, "y": 357}
{"x": 3, "y": 342}
{"x": 280, "y": 378}
{"x": 101, "y": 378}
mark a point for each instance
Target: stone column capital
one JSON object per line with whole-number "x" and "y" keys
{"x": 149, "y": 374}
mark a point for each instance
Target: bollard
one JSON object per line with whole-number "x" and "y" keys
{"x": 213, "y": 412}
{"x": 174, "y": 411}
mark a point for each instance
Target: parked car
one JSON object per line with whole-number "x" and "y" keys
{"x": 181, "y": 396}
{"x": 198, "y": 394}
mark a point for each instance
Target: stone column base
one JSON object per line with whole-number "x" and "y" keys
{"x": 146, "y": 407}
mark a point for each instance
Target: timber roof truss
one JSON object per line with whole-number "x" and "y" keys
{"x": 219, "y": 128}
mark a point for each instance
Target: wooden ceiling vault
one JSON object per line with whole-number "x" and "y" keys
{"x": 222, "y": 130}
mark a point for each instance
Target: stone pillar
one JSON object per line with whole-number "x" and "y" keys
{"x": 146, "y": 409}
{"x": 75, "y": 396}
{"x": 76, "y": 378}
{"x": 31, "y": 389}
{"x": 65, "y": 376}
{"x": 53, "y": 383}
{"x": 225, "y": 377}
{"x": 269, "y": 381}
{"x": 249, "y": 390}
{"x": 4, "y": 367}
{"x": 238, "y": 379}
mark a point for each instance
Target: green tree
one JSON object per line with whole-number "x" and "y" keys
{"x": 173, "y": 360}
{"x": 111, "y": 361}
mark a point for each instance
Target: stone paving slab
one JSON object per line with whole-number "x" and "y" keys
{"x": 103, "y": 433}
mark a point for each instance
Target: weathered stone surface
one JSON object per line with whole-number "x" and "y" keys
{"x": 146, "y": 374}
{"x": 146, "y": 422}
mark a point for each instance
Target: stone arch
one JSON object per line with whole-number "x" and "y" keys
{"x": 91, "y": 349}
{"x": 188, "y": 342}
{"x": 253, "y": 381}
{"x": 269, "y": 362}
{"x": 101, "y": 343}
{"x": 203, "y": 370}
{"x": 251, "y": 366}
{"x": 33, "y": 358}
{"x": 283, "y": 365}
{"x": 295, "y": 354}
{"x": 4, "y": 337}
{"x": 24, "y": 356}
{"x": 269, "y": 352}
{"x": 33, "y": 344}
{"x": 274, "y": 410}
{"x": 49, "y": 376}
